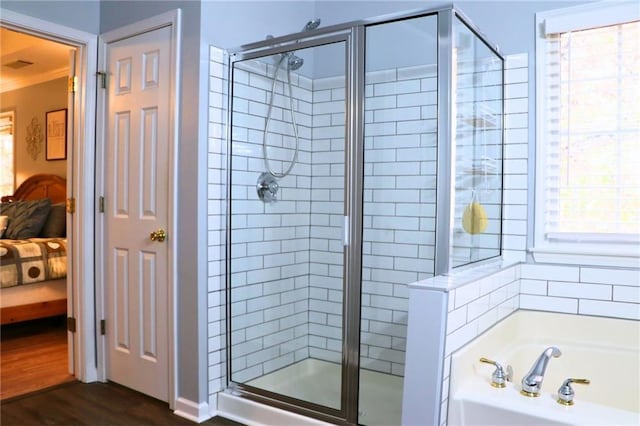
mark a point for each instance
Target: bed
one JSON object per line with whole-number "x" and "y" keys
{"x": 33, "y": 270}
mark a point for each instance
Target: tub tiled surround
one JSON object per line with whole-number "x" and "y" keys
{"x": 582, "y": 290}
{"x": 476, "y": 304}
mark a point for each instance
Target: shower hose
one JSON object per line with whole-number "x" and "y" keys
{"x": 293, "y": 121}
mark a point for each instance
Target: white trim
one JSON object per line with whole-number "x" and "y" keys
{"x": 170, "y": 19}
{"x": 80, "y": 185}
{"x": 192, "y": 411}
{"x": 590, "y": 15}
{"x": 252, "y": 413}
{"x": 423, "y": 391}
{"x": 594, "y": 257}
{"x": 605, "y": 253}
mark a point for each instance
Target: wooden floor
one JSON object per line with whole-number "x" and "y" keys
{"x": 36, "y": 388}
{"x": 78, "y": 403}
{"x": 33, "y": 356}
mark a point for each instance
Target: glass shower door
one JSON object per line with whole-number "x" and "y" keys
{"x": 287, "y": 186}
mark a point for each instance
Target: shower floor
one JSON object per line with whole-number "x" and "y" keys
{"x": 319, "y": 382}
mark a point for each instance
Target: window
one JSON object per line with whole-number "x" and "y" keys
{"x": 588, "y": 128}
{"x": 7, "y": 178}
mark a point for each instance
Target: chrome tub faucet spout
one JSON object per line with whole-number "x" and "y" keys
{"x": 532, "y": 382}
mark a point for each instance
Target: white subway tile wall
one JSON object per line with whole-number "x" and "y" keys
{"x": 216, "y": 329}
{"x": 474, "y": 308}
{"x": 584, "y": 290}
{"x": 269, "y": 241}
{"x": 399, "y": 206}
{"x": 327, "y": 219}
{"x": 516, "y": 153}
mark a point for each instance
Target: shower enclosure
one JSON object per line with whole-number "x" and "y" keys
{"x": 363, "y": 157}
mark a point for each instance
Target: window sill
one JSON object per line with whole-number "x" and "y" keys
{"x": 628, "y": 258}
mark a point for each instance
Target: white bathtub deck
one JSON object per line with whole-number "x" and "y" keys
{"x": 604, "y": 350}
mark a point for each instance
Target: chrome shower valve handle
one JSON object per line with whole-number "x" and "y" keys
{"x": 267, "y": 188}
{"x": 499, "y": 378}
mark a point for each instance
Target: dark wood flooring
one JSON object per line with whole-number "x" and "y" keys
{"x": 33, "y": 355}
{"x": 78, "y": 403}
{"x": 36, "y": 388}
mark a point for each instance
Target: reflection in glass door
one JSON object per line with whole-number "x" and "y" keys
{"x": 287, "y": 209}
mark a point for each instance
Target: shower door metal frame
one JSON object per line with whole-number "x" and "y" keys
{"x": 353, "y": 39}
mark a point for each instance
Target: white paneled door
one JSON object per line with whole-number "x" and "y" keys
{"x": 136, "y": 211}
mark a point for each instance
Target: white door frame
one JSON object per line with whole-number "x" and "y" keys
{"x": 168, "y": 19}
{"x": 80, "y": 301}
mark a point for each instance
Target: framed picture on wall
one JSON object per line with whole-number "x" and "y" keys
{"x": 56, "y": 131}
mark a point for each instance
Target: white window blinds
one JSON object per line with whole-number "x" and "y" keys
{"x": 592, "y": 133}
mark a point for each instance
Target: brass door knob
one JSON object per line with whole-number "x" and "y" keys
{"x": 160, "y": 235}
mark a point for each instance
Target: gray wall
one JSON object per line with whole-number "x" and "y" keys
{"x": 229, "y": 24}
{"x": 28, "y": 103}
{"x": 81, "y": 15}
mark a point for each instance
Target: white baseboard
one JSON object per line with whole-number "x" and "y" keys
{"x": 196, "y": 412}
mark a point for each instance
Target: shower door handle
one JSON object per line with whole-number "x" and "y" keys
{"x": 345, "y": 231}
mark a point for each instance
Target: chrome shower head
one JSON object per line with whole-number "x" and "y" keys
{"x": 312, "y": 24}
{"x": 295, "y": 62}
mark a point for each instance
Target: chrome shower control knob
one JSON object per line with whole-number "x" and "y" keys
{"x": 267, "y": 188}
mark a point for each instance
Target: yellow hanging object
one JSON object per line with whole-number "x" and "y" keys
{"x": 474, "y": 218}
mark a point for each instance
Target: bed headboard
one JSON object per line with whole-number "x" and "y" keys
{"x": 41, "y": 186}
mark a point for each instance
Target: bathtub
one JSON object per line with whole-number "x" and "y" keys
{"x": 603, "y": 350}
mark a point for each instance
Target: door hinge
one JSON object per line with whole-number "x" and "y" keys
{"x": 103, "y": 327}
{"x": 73, "y": 84}
{"x": 102, "y": 76}
{"x": 71, "y": 324}
{"x": 71, "y": 205}
{"x": 101, "y": 204}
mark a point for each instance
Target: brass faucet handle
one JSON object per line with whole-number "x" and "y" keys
{"x": 578, "y": 381}
{"x": 566, "y": 393}
{"x": 499, "y": 378}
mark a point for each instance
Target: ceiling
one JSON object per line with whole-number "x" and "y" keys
{"x": 50, "y": 60}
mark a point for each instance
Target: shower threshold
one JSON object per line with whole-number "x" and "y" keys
{"x": 319, "y": 382}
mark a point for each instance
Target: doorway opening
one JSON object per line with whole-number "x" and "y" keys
{"x": 37, "y": 110}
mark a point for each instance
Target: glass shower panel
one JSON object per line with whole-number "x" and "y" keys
{"x": 477, "y": 122}
{"x": 400, "y": 134}
{"x": 286, "y": 229}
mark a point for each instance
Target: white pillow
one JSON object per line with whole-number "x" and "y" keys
{"x": 4, "y": 221}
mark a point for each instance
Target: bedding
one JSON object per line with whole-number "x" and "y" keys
{"x": 31, "y": 261}
{"x": 33, "y": 250}
{"x": 26, "y": 218}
